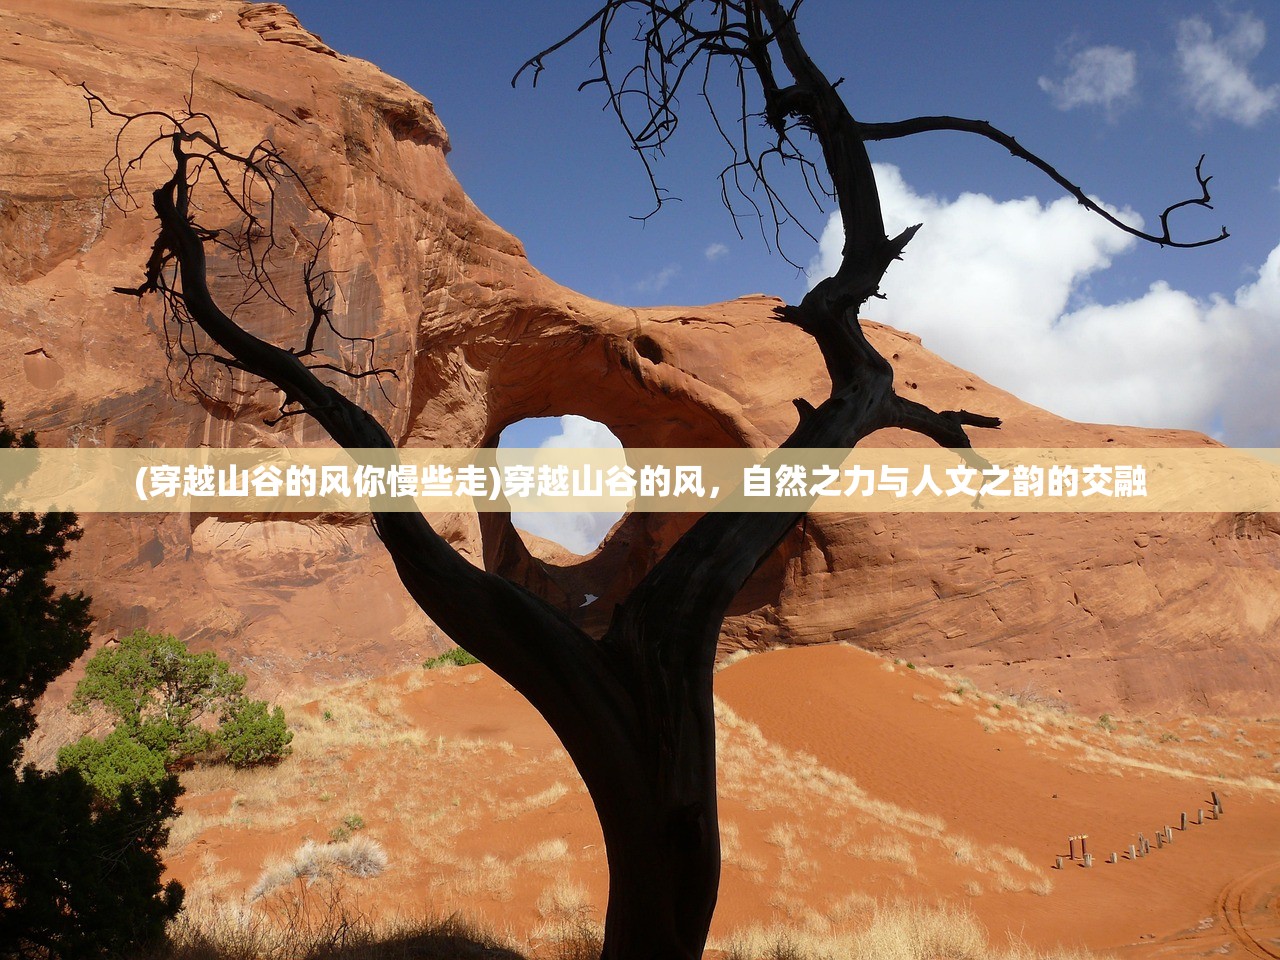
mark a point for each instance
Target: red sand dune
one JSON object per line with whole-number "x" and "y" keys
{"x": 990, "y": 788}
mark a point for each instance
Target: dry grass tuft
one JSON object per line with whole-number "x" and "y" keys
{"x": 488, "y": 876}
{"x": 887, "y": 850}
{"x": 567, "y": 922}
{"x": 897, "y": 932}
{"x": 359, "y": 856}
{"x": 547, "y": 851}
{"x": 336, "y": 932}
{"x": 735, "y": 657}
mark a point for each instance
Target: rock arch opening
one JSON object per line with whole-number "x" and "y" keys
{"x": 578, "y": 533}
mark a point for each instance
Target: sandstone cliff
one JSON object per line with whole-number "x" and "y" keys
{"x": 1137, "y": 611}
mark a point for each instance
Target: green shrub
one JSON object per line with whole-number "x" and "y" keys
{"x": 158, "y": 690}
{"x": 251, "y": 734}
{"x": 457, "y": 657}
{"x": 113, "y": 764}
{"x": 163, "y": 697}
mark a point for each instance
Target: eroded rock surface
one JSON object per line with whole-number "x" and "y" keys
{"x": 1105, "y": 612}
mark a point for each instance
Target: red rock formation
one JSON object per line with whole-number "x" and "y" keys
{"x": 1135, "y": 610}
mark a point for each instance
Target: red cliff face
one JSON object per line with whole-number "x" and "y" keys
{"x": 1103, "y": 611}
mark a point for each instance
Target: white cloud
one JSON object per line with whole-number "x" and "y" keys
{"x": 1215, "y": 72}
{"x": 1101, "y": 76}
{"x": 580, "y": 433}
{"x": 715, "y": 251}
{"x": 579, "y": 532}
{"x": 988, "y": 285}
{"x": 657, "y": 282}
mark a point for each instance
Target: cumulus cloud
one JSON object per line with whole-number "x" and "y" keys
{"x": 715, "y": 251}
{"x": 1098, "y": 76}
{"x": 1215, "y": 69}
{"x": 579, "y": 532}
{"x": 580, "y": 433}
{"x": 995, "y": 286}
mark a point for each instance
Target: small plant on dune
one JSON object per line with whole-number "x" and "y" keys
{"x": 457, "y": 657}
{"x": 1107, "y": 722}
{"x": 361, "y": 857}
{"x": 350, "y": 824}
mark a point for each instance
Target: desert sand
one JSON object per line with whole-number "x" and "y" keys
{"x": 846, "y": 781}
{"x": 849, "y": 778}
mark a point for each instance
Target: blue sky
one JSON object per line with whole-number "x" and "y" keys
{"x": 1030, "y": 294}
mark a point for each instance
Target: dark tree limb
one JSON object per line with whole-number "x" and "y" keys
{"x": 916, "y": 125}
{"x": 557, "y": 666}
{"x": 634, "y": 709}
{"x": 247, "y": 184}
{"x": 551, "y": 647}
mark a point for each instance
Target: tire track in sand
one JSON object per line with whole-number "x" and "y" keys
{"x": 1244, "y": 897}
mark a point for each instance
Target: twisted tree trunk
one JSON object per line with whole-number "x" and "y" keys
{"x": 634, "y": 709}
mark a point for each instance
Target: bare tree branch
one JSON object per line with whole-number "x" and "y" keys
{"x": 635, "y": 709}
{"x": 908, "y": 128}
{"x": 247, "y": 184}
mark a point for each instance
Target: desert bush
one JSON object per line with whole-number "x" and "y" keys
{"x": 158, "y": 690}
{"x": 360, "y": 856}
{"x": 114, "y": 764}
{"x": 251, "y": 734}
{"x": 164, "y": 698}
{"x": 457, "y": 657}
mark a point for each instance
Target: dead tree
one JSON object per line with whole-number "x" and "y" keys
{"x": 633, "y": 707}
